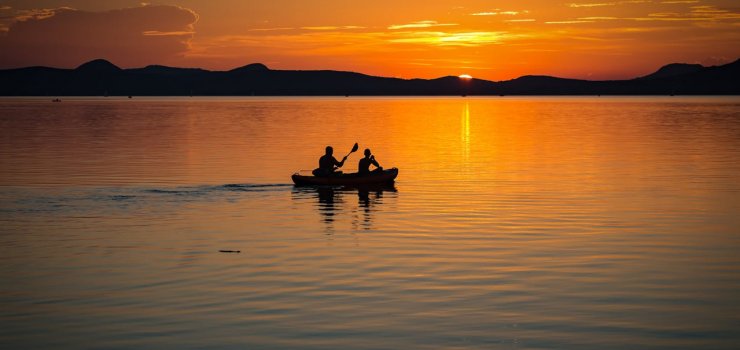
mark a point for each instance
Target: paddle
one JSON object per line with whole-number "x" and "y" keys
{"x": 354, "y": 149}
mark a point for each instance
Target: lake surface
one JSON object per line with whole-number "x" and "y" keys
{"x": 524, "y": 223}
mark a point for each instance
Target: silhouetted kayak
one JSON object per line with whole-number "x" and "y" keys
{"x": 382, "y": 177}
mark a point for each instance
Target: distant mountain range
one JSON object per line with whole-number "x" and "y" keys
{"x": 102, "y": 78}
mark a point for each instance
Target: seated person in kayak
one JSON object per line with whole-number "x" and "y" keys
{"x": 327, "y": 164}
{"x": 363, "y": 168}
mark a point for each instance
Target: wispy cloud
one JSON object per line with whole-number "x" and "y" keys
{"x": 332, "y": 27}
{"x": 696, "y": 13}
{"x": 270, "y": 29}
{"x": 420, "y": 24}
{"x": 699, "y": 13}
{"x": 520, "y": 20}
{"x": 5, "y": 19}
{"x": 707, "y": 9}
{"x": 664, "y": 14}
{"x": 597, "y": 18}
{"x": 593, "y": 4}
{"x": 569, "y": 22}
{"x": 452, "y": 63}
{"x": 160, "y": 33}
{"x": 289, "y": 43}
{"x": 453, "y": 39}
{"x": 497, "y": 12}
{"x": 613, "y": 3}
{"x": 24, "y": 15}
{"x": 680, "y": 2}
{"x": 310, "y": 28}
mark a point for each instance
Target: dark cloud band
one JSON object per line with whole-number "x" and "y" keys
{"x": 129, "y": 37}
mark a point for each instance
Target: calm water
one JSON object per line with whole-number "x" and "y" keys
{"x": 515, "y": 223}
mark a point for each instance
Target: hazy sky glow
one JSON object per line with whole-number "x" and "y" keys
{"x": 487, "y": 39}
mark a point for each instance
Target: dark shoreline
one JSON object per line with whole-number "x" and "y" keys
{"x": 102, "y": 78}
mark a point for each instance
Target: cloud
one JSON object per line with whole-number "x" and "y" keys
{"x": 275, "y": 44}
{"x": 450, "y": 63}
{"x": 696, "y": 14}
{"x": 614, "y": 3}
{"x": 280, "y": 46}
{"x": 270, "y": 29}
{"x": 159, "y": 33}
{"x": 594, "y": 4}
{"x": 332, "y": 27}
{"x": 67, "y": 37}
{"x": 603, "y": 18}
{"x": 499, "y": 12}
{"x": 420, "y": 24}
{"x": 24, "y": 15}
{"x": 453, "y": 39}
{"x": 707, "y": 10}
{"x": 569, "y": 22}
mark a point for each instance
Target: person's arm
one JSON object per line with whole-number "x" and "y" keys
{"x": 374, "y": 162}
{"x": 340, "y": 164}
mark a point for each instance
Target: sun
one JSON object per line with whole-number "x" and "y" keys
{"x": 465, "y": 76}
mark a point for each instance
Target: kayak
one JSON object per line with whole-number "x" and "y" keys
{"x": 354, "y": 179}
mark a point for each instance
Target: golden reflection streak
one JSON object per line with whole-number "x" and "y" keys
{"x": 465, "y": 133}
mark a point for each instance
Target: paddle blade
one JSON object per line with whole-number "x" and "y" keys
{"x": 354, "y": 148}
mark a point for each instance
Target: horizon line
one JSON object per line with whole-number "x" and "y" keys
{"x": 356, "y": 72}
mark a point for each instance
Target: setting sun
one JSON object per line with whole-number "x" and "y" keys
{"x": 465, "y": 76}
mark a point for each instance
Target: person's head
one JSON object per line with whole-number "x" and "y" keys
{"x": 367, "y": 152}
{"x": 329, "y": 150}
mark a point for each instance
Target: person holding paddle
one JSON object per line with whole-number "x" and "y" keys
{"x": 328, "y": 165}
{"x": 363, "y": 167}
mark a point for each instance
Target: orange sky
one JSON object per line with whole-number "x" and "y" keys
{"x": 491, "y": 39}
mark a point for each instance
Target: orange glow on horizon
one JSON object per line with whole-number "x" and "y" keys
{"x": 494, "y": 40}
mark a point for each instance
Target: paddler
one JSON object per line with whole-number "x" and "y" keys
{"x": 363, "y": 168}
{"x": 328, "y": 165}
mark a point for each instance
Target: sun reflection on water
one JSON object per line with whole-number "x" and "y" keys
{"x": 465, "y": 133}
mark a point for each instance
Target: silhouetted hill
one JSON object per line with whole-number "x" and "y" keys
{"x": 100, "y": 78}
{"x": 254, "y": 67}
{"x": 674, "y": 69}
{"x": 98, "y": 66}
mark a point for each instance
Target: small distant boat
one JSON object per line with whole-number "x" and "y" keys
{"x": 56, "y": 100}
{"x": 354, "y": 179}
